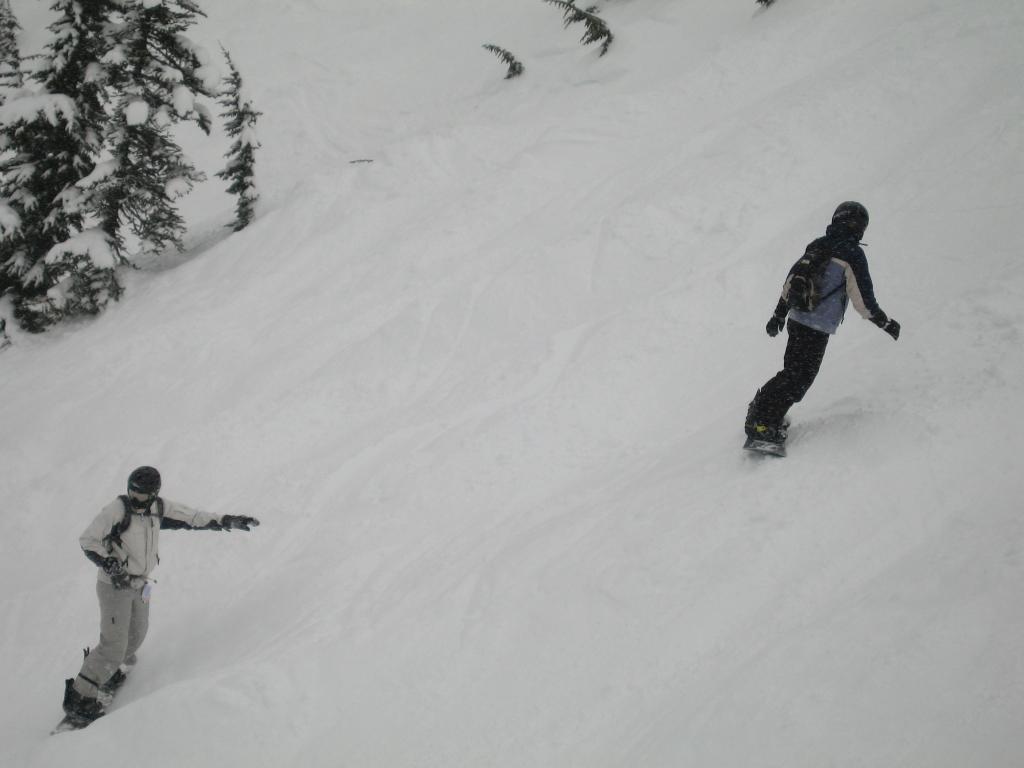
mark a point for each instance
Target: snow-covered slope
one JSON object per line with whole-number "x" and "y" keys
{"x": 485, "y": 393}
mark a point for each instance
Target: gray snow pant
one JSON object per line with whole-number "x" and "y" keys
{"x": 124, "y": 619}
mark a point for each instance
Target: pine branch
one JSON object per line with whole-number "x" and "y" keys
{"x": 765, "y": 3}
{"x": 597, "y": 29}
{"x": 515, "y": 67}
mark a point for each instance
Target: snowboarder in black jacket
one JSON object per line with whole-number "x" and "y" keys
{"x": 842, "y": 278}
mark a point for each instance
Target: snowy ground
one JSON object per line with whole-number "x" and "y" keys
{"x": 485, "y": 393}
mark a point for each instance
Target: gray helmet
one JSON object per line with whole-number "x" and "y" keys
{"x": 144, "y": 480}
{"x": 851, "y": 214}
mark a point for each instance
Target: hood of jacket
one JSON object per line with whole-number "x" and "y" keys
{"x": 844, "y": 232}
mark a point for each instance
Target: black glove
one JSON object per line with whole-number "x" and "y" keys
{"x": 240, "y": 522}
{"x": 775, "y": 325}
{"x": 889, "y": 326}
{"x": 114, "y": 568}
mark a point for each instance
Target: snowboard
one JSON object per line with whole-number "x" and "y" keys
{"x": 765, "y": 447}
{"x": 72, "y": 723}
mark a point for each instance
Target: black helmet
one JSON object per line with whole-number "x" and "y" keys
{"x": 144, "y": 480}
{"x": 851, "y": 214}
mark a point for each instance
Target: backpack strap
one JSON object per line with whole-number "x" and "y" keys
{"x": 114, "y": 537}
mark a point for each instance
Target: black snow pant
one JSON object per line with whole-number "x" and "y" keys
{"x": 804, "y": 353}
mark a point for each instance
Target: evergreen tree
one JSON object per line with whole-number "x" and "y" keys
{"x": 240, "y": 125}
{"x": 52, "y": 138}
{"x": 596, "y": 28}
{"x": 515, "y": 67}
{"x": 158, "y": 75}
{"x": 10, "y": 57}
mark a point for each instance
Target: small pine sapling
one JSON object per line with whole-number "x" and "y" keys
{"x": 597, "y": 29}
{"x": 240, "y": 124}
{"x": 515, "y": 67}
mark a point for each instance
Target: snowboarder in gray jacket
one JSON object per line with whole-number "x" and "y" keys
{"x": 843, "y": 278}
{"x": 123, "y": 542}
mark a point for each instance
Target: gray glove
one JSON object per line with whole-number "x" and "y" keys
{"x": 114, "y": 568}
{"x": 887, "y": 324}
{"x": 238, "y": 522}
{"x": 778, "y": 321}
{"x": 775, "y": 325}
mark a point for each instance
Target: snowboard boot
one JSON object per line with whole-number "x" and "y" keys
{"x": 110, "y": 688}
{"x": 80, "y": 707}
{"x": 783, "y": 429}
{"x": 757, "y": 427}
{"x": 765, "y": 432}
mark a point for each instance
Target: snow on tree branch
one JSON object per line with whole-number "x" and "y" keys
{"x": 91, "y": 243}
{"x": 54, "y": 108}
{"x": 10, "y": 221}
